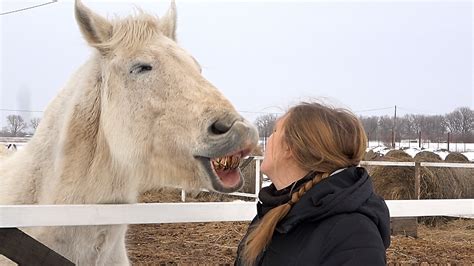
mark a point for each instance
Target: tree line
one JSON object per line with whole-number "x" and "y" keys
{"x": 18, "y": 127}
{"x": 434, "y": 128}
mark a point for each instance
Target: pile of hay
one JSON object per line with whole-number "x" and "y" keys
{"x": 396, "y": 183}
{"x": 372, "y": 156}
{"x": 465, "y": 175}
{"x": 440, "y": 182}
{"x": 427, "y": 156}
{"x": 393, "y": 182}
{"x": 398, "y": 155}
{"x": 456, "y": 157}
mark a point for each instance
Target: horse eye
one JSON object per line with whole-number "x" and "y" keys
{"x": 140, "y": 68}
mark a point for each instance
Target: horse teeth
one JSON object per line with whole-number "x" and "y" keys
{"x": 234, "y": 162}
{"x": 217, "y": 163}
{"x": 227, "y": 162}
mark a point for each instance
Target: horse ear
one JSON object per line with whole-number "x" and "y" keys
{"x": 94, "y": 28}
{"x": 168, "y": 22}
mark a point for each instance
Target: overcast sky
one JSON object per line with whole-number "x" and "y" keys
{"x": 265, "y": 56}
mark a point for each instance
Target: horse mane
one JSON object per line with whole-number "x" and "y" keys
{"x": 131, "y": 32}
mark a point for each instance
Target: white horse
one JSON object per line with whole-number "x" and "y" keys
{"x": 137, "y": 115}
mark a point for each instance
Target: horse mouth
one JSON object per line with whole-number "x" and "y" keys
{"x": 224, "y": 171}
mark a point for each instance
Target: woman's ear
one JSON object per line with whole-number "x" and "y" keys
{"x": 287, "y": 151}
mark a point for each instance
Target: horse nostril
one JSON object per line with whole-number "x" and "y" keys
{"x": 220, "y": 127}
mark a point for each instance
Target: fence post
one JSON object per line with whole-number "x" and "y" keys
{"x": 417, "y": 179}
{"x": 183, "y": 195}
{"x": 419, "y": 139}
{"x": 257, "y": 178}
{"x": 448, "y": 140}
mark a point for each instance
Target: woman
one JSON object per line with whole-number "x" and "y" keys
{"x": 321, "y": 208}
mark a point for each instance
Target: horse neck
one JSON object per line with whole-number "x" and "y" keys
{"x": 84, "y": 170}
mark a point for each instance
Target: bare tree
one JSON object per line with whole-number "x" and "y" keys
{"x": 467, "y": 122}
{"x": 34, "y": 122}
{"x": 434, "y": 127}
{"x": 453, "y": 121}
{"x": 408, "y": 126}
{"x": 16, "y": 125}
{"x": 4, "y": 132}
{"x": 461, "y": 123}
{"x": 265, "y": 124}
{"x": 419, "y": 122}
{"x": 385, "y": 126}
{"x": 370, "y": 126}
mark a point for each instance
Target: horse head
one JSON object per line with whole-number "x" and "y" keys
{"x": 160, "y": 119}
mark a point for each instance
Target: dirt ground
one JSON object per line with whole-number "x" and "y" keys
{"x": 216, "y": 243}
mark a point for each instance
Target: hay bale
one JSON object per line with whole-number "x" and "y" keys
{"x": 395, "y": 183}
{"x": 371, "y": 155}
{"x": 439, "y": 182}
{"x": 456, "y": 157}
{"x": 397, "y": 156}
{"x": 465, "y": 175}
{"x": 427, "y": 156}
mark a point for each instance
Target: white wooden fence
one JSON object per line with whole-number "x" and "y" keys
{"x": 14, "y": 140}
{"x": 68, "y": 215}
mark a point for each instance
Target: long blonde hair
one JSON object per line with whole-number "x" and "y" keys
{"x": 322, "y": 139}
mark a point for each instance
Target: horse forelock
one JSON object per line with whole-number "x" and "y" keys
{"x": 132, "y": 32}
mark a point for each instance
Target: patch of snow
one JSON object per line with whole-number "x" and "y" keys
{"x": 442, "y": 154}
{"x": 469, "y": 155}
{"x": 380, "y": 149}
{"x": 412, "y": 151}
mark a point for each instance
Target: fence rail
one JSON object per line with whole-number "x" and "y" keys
{"x": 426, "y": 164}
{"x": 23, "y": 249}
{"x": 8, "y": 140}
{"x": 385, "y": 163}
{"x": 145, "y": 213}
{"x": 449, "y": 165}
{"x": 69, "y": 215}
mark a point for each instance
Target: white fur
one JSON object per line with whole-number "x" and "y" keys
{"x": 110, "y": 135}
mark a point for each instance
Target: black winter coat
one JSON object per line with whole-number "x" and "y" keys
{"x": 340, "y": 221}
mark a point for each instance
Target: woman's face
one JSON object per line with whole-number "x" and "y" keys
{"x": 274, "y": 151}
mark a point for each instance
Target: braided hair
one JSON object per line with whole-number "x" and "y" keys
{"x": 322, "y": 139}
